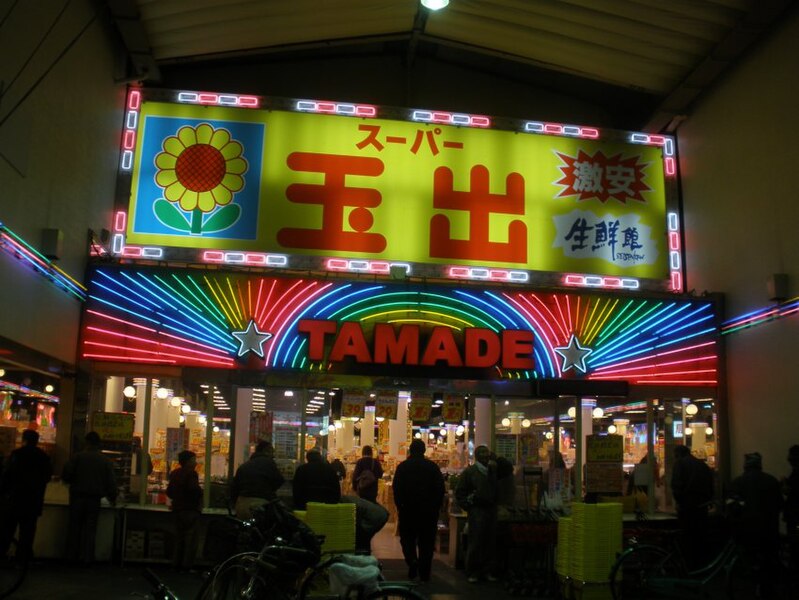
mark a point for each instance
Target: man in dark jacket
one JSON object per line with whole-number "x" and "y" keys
{"x": 367, "y": 488}
{"x": 315, "y": 481}
{"x": 418, "y": 492}
{"x": 758, "y": 519}
{"x": 692, "y": 487}
{"x": 477, "y": 494}
{"x": 22, "y": 488}
{"x": 90, "y": 476}
{"x": 187, "y": 500}
{"x": 256, "y": 481}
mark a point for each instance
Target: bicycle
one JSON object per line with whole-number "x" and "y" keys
{"x": 651, "y": 571}
{"x": 12, "y": 571}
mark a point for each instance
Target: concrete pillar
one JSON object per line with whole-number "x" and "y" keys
{"x": 483, "y": 424}
{"x": 368, "y": 427}
{"x": 113, "y": 394}
{"x": 698, "y": 438}
{"x": 241, "y": 416}
{"x": 348, "y": 435}
{"x": 398, "y": 428}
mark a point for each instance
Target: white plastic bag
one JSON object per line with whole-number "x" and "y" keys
{"x": 343, "y": 576}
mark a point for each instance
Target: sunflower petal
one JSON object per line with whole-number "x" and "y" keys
{"x": 232, "y": 150}
{"x": 236, "y": 166}
{"x": 222, "y": 195}
{"x": 232, "y": 182}
{"x": 175, "y": 192}
{"x": 220, "y": 138}
{"x": 205, "y": 201}
{"x": 187, "y": 136}
{"x": 166, "y": 161}
{"x": 173, "y": 146}
{"x": 189, "y": 200}
{"x": 204, "y": 133}
{"x": 166, "y": 177}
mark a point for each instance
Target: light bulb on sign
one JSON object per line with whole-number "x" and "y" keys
{"x": 129, "y": 392}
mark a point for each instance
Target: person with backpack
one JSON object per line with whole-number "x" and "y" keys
{"x": 692, "y": 487}
{"x": 367, "y": 472}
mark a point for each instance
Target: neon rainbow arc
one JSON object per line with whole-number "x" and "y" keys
{"x": 188, "y": 318}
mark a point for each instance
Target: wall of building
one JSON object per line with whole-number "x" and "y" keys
{"x": 60, "y": 149}
{"x": 738, "y": 158}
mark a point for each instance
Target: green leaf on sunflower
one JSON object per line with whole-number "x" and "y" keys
{"x": 170, "y": 215}
{"x": 222, "y": 219}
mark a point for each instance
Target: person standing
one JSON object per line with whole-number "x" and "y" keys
{"x": 367, "y": 473}
{"x": 315, "y": 481}
{"x": 418, "y": 492}
{"x": 256, "y": 481}
{"x": 90, "y": 476}
{"x": 692, "y": 487}
{"x": 477, "y": 494}
{"x": 22, "y": 488}
{"x": 187, "y": 500}
{"x": 791, "y": 509}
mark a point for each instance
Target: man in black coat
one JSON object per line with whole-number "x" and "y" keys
{"x": 315, "y": 481}
{"x": 256, "y": 481}
{"x": 22, "y": 489}
{"x": 418, "y": 493}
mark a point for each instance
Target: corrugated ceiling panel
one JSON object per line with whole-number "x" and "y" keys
{"x": 188, "y": 28}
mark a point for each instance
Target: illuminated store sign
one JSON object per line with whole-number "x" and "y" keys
{"x": 238, "y": 320}
{"x": 405, "y": 345}
{"x": 348, "y": 185}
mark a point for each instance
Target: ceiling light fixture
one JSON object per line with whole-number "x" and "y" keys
{"x": 435, "y": 4}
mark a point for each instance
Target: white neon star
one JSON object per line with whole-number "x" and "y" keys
{"x": 251, "y": 339}
{"x": 574, "y": 355}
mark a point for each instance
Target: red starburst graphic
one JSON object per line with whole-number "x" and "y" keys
{"x": 601, "y": 177}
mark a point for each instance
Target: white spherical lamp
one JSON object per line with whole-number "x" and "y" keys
{"x": 611, "y": 429}
{"x": 691, "y": 409}
{"x": 572, "y": 412}
{"x": 598, "y": 413}
{"x": 162, "y": 393}
{"x": 129, "y": 391}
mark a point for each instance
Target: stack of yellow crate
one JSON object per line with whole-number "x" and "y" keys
{"x": 596, "y": 538}
{"x": 564, "y": 546}
{"x": 336, "y": 522}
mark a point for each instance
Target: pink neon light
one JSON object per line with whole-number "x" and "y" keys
{"x": 674, "y": 240}
{"x": 459, "y": 272}
{"x": 498, "y": 275}
{"x": 553, "y": 128}
{"x": 129, "y": 141}
{"x": 255, "y": 259}
{"x": 532, "y": 318}
{"x": 326, "y": 107}
{"x": 589, "y": 132}
{"x": 658, "y": 355}
{"x": 337, "y": 264}
{"x": 127, "y": 323}
{"x": 134, "y": 100}
{"x": 479, "y": 121}
{"x": 612, "y": 371}
{"x": 574, "y": 280}
{"x": 131, "y": 251}
{"x": 441, "y": 117}
{"x": 766, "y": 315}
{"x": 119, "y": 221}
{"x": 213, "y": 256}
{"x": 679, "y": 382}
{"x": 553, "y": 319}
{"x": 657, "y": 139}
{"x": 281, "y": 325}
{"x": 204, "y": 98}
{"x": 676, "y": 281}
{"x": 379, "y": 267}
{"x": 156, "y": 342}
{"x": 612, "y": 282}
{"x": 158, "y": 353}
{"x": 671, "y": 165}
{"x": 22, "y": 250}
{"x": 248, "y": 101}
{"x": 364, "y": 110}
{"x": 541, "y": 321}
{"x": 118, "y": 357}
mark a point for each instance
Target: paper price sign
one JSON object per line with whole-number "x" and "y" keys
{"x": 113, "y": 427}
{"x": 604, "y": 448}
{"x": 352, "y": 406}
{"x": 420, "y": 408}
{"x": 452, "y": 411}
{"x": 386, "y": 406}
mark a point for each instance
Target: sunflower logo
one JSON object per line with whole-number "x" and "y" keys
{"x": 200, "y": 169}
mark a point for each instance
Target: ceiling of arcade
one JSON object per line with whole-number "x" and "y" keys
{"x": 646, "y": 59}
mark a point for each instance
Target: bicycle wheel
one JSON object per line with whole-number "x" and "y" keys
{"x": 635, "y": 570}
{"x": 12, "y": 572}
{"x": 394, "y": 592}
{"x": 240, "y": 581}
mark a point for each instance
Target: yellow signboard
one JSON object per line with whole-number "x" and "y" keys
{"x": 334, "y": 186}
{"x": 114, "y": 427}
{"x": 604, "y": 448}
